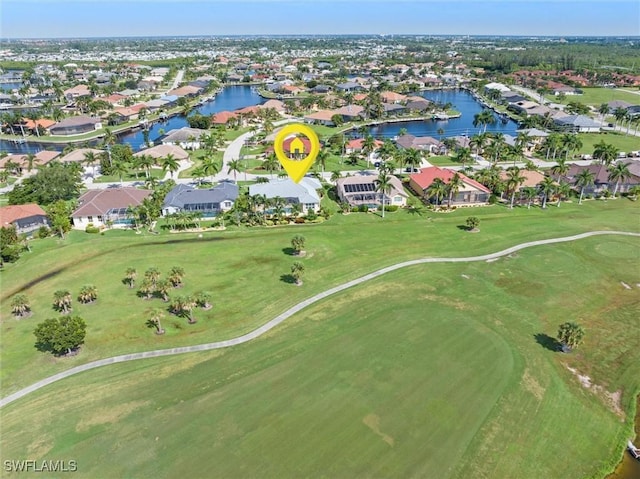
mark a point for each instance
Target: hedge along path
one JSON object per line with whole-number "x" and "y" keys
{"x": 290, "y": 312}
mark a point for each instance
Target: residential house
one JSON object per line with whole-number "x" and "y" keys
{"x": 26, "y": 218}
{"x": 223, "y": 117}
{"x": 601, "y": 178}
{"x": 276, "y": 105}
{"x": 108, "y": 206}
{"x": 577, "y": 123}
{"x": 208, "y": 202}
{"x": 362, "y": 190}
{"x": 186, "y": 91}
{"x": 78, "y": 156}
{"x": 42, "y": 124}
{"x": 162, "y": 151}
{"x": 392, "y": 97}
{"x": 76, "y": 92}
{"x": 423, "y": 143}
{"x": 420, "y": 105}
{"x": 350, "y": 112}
{"x": 303, "y": 193}
{"x": 322, "y": 117}
{"x": 531, "y": 180}
{"x": 393, "y": 109}
{"x": 185, "y": 137}
{"x": 76, "y": 125}
{"x": 349, "y": 86}
{"x": 470, "y": 193}
{"x": 355, "y": 146}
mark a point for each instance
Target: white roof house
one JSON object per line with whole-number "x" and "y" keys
{"x": 497, "y": 86}
{"x": 303, "y": 193}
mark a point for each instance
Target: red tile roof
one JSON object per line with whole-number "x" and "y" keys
{"x": 9, "y": 214}
{"x": 426, "y": 176}
{"x": 357, "y": 144}
{"x": 221, "y": 118}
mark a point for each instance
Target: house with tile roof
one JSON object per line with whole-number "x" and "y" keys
{"x": 162, "y": 151}
{"x": 99, "y": 207}
{"x": 471, "y": 193}
{"x": 76, "y": 125}
{"x": 25, "y": 218}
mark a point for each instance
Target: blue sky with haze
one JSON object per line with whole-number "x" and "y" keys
{"x": 96, "y": 18}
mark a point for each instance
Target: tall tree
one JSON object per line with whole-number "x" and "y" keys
{"x": 384, "y": 187}
{"x": 514, "y": 179}
{"x": 130, "y": 277}
{"x": 20, "y": 306}
{"x": 619, "y": 172}
{"x": 453, "y": 186}
{"x": 547, "y": 187}
{"x": 297, "y": 271}
{"x": 62, "y": 300}
{"x": 584, "y": 179}
{"x": 571, "y": 334}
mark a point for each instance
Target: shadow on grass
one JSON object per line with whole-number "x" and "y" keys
{"x": 548, "y": 342}
{"x": 289, "y": 251}
{"x": 463, "y": 227}
{"x": 288, "y": 278}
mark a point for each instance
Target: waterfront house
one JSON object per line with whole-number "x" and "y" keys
{"x": 303, "y": 193}
{"x": 25, "y": 218}
{"x": 76, "y": 125}
{"x": 78, "y": 155}
{"x": 423, "y": 143}
{"x": 350, "y": 112}
{"x": 185, "y": 137}
{"x": 322, "y": 117}
{"x": 208, "y": 202}
{"x": 76, "y": 92}
{"x": 362, "y": 190}
{"x": 107, "y": 207}
{"x": 355, "y": 146}
{"x": 470, "y": 193}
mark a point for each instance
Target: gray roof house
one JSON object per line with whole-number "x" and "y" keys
{"x": 577, "y": 123}
{"x": 426, "y": 143}
{"x": 75, "y": 125}
{"x": 187, "y": 138}
{"x": 349, "y": 86}
{"x": 303, "y": 193}
{"x": 361, "y": 190}
{"x": 209, "y": 202}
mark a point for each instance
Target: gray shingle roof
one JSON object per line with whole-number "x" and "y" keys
{"x": 183, "y": 195}
{"x": 303, "y": 192}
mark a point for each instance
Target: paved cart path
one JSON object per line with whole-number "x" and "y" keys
{"x": 290, "y": 312}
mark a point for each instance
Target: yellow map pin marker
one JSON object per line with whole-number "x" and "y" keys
{"x": 296, "y": 168}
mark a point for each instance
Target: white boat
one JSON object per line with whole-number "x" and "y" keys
{"x": 635, "y": 452}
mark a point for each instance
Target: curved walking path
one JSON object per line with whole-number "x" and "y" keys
{"x": 290, "y": 312}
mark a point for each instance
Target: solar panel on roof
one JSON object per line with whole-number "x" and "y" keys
{"x": 359, "y": 187}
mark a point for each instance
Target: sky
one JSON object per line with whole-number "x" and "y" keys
{"x": 113, "y": 18}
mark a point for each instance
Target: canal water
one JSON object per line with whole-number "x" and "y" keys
{"x": 230, "y": 98}
{"x": 629, "y": 468}
{"x": 463, "y": 102}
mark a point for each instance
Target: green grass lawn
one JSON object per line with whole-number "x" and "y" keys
{"x": 130, "y": 176}
{"x": 197, "y": 157}
{"x": 438, "y": 370}
{"x": 598, "y": 96}
{"x": 440, "y": 160}
{"x": 623, "y": 142}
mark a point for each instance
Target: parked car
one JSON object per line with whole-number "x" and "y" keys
{"x": 411, "y": 170}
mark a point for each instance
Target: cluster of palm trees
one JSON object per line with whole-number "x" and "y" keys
{"x": 260, "y": 210}
{"x": 557, "y": 144}
{"x": 621, "y": 116}
{"x": 20, "y": 306}
{"x": 570, "y": 335}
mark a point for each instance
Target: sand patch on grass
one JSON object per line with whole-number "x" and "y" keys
{"x": 531, "y": 384}
{"x": 109, "y": 415}
{"x": 372, "y": 421}
{"x": 450, "y": 302}
{"x": 41, "y": 446}
{"x": 611, "y": 399}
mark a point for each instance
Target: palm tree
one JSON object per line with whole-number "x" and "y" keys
{"x": 463, "y": 155}
{"x": 297, "y": 271}
{"x": 297, "y": 243}
{"x": 603, "y": 110}
{"x": 368, "y": 145}
{"x": 155, "y": 316}
{"x": 605, "y": 152}
{"x": 90, "y": 159}
{"x": 437, "y": 190}
{"x": 203, "y": 299}
{"x": 120, "y": 168}
{"x": 130, "y": 277}
{"x": 188, "y": 303}
{"x": 618, "y": 172}
{"x": 153, "y": 275}
{"x": 547, "y": 186}
{"x": 175, "y": 276}
{"x": 147, "y": 288}
{"x": 62, "y": 300}
{"x": 484, "y": 118}
{"x": 620, "y": 114}
{"x": 454, "y": 185}
{"x": 571, "y": 335}
{"x": 530, "y": 194}
{"x": 562, "y": 190}
{"x": 233, "y": 167}
{"x": 514, "y": 180}
{"x": 170, "y": 163}
{"x": 271, "y": 164}
{"x": 210, "y": 166}
{"x": 561, "y": 168}
{"x": 479, "y": 142}
{"x": 88, "y": 294}
{"x": 584, "y": 179}
{"x": 321, "y": 159}
{"x": 146, "y": 162}
{"x": 383, "y": 186}
{"x": 162, "y": 288}
{"x": 20, "y": 305}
